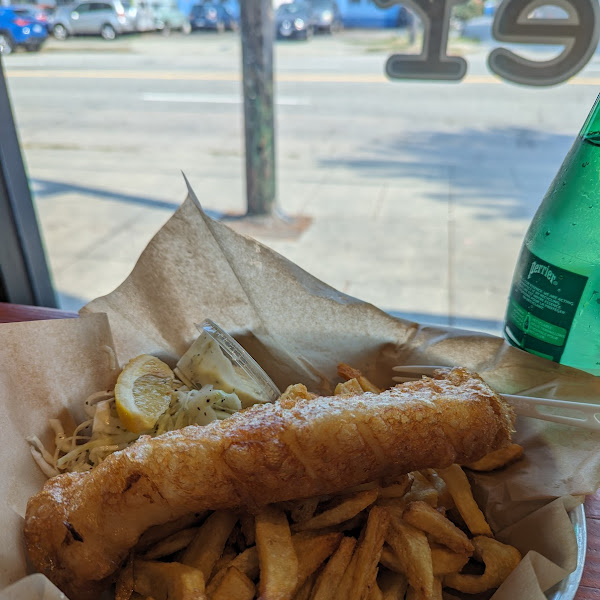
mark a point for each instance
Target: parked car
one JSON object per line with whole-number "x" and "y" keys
{"x": 168, "y": 17}
{"x": 294, "y": 21}
{"x": 19, "y": 28}
{"x": 212, "y": 15}
{"x": 326, "y": 16}
{"x": 39, "y": 12}
{"x": 478, "y": 28}
{"x": 231, "y": 21}
{"x": 140, "y": 13}
{"x": 107, "y": 19}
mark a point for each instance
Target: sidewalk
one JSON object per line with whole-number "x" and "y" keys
{"x": 394, "y": 244}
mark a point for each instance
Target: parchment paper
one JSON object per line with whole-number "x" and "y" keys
{"x": 298, "y": 329}
{"x": 46, "y": 369}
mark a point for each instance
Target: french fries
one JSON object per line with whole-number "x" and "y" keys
{"x": 294, "y": 393}
{"x": 348, "y": 373}
{"x": 305, "y": 589}
{"x": 367, "y": 553}
{"x": 276, "y": 555}
{"x": 312, "y": 550}
{"x": 171, "y": 544}
{"x": 421, "y": 515}
{"x": 302, "y": 510}
{"x": 247, "y": 562}
{"x": 395, "y": 490}
{"x": 498, "y": 459}
{"x": 209, "y": 542}
{"x": 168, "y": 581}
{"x": 499, "y": 559}
{"x": 160, "y": 532}
{"x": 344, "y": 511}
{"x": 422, "y": 490}
{"x": 445, "y": 561}
{"x": 414, "y": 555}
{"x": 392, "y": 585}
{"x": 392, "y": 539}
{"x": 350, "y": 388}
{"x": 331, "y": 576}
{"x": 460, "y": 490}
{"x": 234, "y": 586}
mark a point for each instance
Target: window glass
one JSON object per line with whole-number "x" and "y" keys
{"x": 413, "y": 194}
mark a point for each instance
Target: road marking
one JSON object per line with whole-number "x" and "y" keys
{"x": 156, "y": 75}
{"x": 217, "y": 99}
{"x": 481, "y": 79}
{"x": 236, "y": 77}
{"x": 584, "y": 81}
{"x": 194, "y": 76}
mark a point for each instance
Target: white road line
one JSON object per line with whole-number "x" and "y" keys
{"x": 217, "y": 99}
{"x": 231, "y": 77}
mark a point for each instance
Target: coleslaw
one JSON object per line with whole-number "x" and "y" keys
{"x": 103, "y": 433}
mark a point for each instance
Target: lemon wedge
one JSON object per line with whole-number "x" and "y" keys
{"x": 143, "y": 392}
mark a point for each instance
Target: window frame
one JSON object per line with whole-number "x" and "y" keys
{"x": 24, "y": 274}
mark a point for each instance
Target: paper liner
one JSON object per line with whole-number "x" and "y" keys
{"x": 298, "y": 329}
{"x": 33, "y": 587}
{"x": 46, "y": 367}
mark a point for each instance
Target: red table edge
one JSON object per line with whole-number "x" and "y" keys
{"x": 16, "y": 313}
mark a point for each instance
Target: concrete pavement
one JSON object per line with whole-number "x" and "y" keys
{"x": 418, "y": 195}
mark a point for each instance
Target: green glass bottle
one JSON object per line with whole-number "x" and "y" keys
{"x": 554, "y": 304}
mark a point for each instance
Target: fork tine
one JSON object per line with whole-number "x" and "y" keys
{"x": 583, "y": 414}
{"x": 417, "y": 370}
{"x": 413, "y": 372}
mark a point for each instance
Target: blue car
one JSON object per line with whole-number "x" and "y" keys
{"x": 212, "y": 15}
{"x": 20, "y": 28}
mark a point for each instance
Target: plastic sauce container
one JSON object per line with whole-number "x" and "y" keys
{"x": 216, "y": 359}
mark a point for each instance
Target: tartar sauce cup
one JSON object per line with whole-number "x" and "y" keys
{"x": 215, "y": 358}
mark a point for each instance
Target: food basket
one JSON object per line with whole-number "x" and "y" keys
{"x": 298, "y": 329}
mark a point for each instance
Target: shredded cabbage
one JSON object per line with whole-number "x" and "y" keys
{"x": 102, "y": 433}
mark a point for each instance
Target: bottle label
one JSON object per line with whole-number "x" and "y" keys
{"x": 542, "y": 305}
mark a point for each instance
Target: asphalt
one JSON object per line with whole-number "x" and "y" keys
{"x": 412, "y": 196}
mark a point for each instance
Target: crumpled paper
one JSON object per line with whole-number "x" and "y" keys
{"x": 298, "y": 329}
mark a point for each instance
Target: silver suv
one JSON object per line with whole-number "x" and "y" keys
{"x": 108, "y": 19}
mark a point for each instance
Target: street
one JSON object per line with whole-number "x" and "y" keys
{"x": 417, "y": 194}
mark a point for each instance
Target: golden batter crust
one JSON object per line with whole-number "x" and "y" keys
{"x": 80, "y": 527}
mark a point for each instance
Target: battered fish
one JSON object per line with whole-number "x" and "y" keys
{"x": 80, "y": 527}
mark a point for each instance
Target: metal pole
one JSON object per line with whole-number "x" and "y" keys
{"x": 257, "y": 32}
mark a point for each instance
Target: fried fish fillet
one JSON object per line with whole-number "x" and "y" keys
{"x": 81, "y": 526}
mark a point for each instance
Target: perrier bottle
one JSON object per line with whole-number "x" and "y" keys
{"x": 554, "y": 304}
